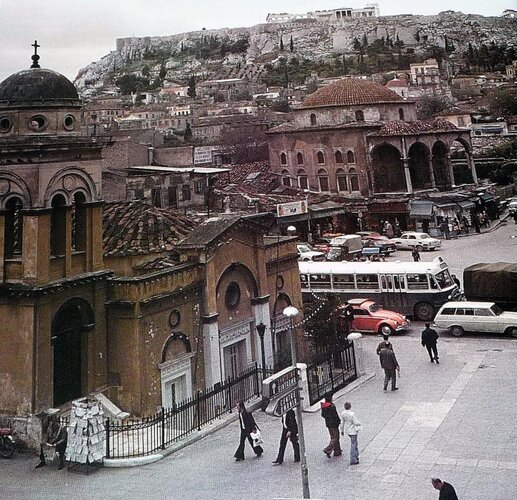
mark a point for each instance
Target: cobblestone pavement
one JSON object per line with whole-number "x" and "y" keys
{"x": 455, "y": 420}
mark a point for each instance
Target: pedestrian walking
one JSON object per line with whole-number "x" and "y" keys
{"x": 447, "y": 491}
{"x": 385, "y": 344}
{"x": 429, "y": 339}
{"x": 247, "y": 425}
{"x": 390, "y": 366}
{"x": 289, "y": 431}
{"x": 332, "y": 421}
{"x": 351, "y": 425}
{"x": 416, "y": 255}
{"x": 389, "y": 230}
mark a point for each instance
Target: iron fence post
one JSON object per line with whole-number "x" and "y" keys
{"x": 107, "y": 438}
{"x": 198, "y": 410}
{"x": 229, "y": 397}
{"x": 257, "y": 387}
{"x": 163, "y": 428}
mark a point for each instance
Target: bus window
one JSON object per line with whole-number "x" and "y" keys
{"x": 396, "y": 282}
{"x": 417, "y": 282}
{"x": 383, "y": 282}
{"x": 343, "y": 281}
{"x": 402, "y": 282}
{"x": 367, "y": 281}
{"x": 320, "y": 280}
{"x": 390, "y": 282}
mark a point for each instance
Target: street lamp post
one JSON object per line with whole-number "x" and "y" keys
{"x": 291, "y": 312}
{"x": 261, "y": 329}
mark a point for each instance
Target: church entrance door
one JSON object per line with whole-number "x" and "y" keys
{"x": 69, "y": 328}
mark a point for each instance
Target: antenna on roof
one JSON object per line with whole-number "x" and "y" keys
{"x": 35, "y": 57}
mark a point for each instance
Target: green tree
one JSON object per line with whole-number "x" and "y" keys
{"x": 163, "y": 72}
{"x": 145, "y": 71}
{"x": 503, "y": 102}
{"x": 191, "y": 91}
{"x": 428, "y": 106}
{"x": 291, "y": 44}
{"x": 129, "y": 84}
{"x": 187, "y": 136}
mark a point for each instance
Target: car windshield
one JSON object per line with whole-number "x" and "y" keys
{"x": 496, "y": 310}
{"x": 304, "y": 248}
{"x": 374, "y": 307}
{"x": 444, "y": 279}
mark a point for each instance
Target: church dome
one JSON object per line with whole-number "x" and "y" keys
{"x": 351, "y": 92}
{"x": 38, "y": 87}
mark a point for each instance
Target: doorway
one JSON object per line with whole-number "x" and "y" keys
{"x": 69, "y": 326}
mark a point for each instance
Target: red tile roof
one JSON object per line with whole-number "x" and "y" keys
{"x": 418, "y": 127}
{"x": 137, "y": 228}
{"x": 351, "y": 92}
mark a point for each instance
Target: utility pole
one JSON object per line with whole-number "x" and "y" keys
{"x": 291, "y": 312}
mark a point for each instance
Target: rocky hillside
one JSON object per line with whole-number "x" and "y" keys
{"x": 252, "y": 52}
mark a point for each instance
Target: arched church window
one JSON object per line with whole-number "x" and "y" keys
{"x": 339, "y": 156}
{"x": 79, "y": 222}
{"x": 320, "y": 157}
{"x": 313, "y": 119}
{"x": 354, "y": 179}
{"x": 303, "y": 180}
{"x": 299, "y": 158}
{"x": 286, "y": 178}
{"x": 341, "y": 181}
{"x": 58, "y": 226}
{"x": 283, "y": 159}
{"x": 350, "y": 157}
{"x": 323, "y": 180}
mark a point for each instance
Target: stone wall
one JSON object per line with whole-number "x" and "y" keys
{"x": 480, "y": 144}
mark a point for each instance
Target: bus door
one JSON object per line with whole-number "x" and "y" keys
{"x": 393, "y": 291}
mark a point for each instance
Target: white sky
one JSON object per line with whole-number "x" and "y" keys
{"x": 73, "y": 33}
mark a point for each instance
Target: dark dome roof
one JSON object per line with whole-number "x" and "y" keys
{"x": 351, "y": 92}
{"x": 38, "y": 87}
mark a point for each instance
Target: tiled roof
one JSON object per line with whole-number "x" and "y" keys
{"x": 418, "y": 127}
{"x": 292, "y": 127}
{"x": 208, "y": 231}
{"x": 254, "y": 177}
{"x": 137, "y": 228}
{"x": 456, "y": 110}
{"x": 397, "y": 82}
{"x": 351, "y": 92}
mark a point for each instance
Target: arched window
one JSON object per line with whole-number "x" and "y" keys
{"x": 79, "y": 222}
{"x": 58, "y": 226}
{"x": 350, "y": 157}
{"x": 341, "y": 181}
{"x": 283, "y": 159}
{"x": 339, "y": 156}
{"x": 323, "y": 180}
{"x": 313, "y": 119}
{"x": 13, "y": 227}
{"x": 286, "y": 178}
{"x": 303, "y": 181}
{"x": 299, "y": 158}
{"x": 320, "y": 157}
{"x": 401, "y": 114}
{"x": 354, "y": 179}
{"x": 359, "y": 116}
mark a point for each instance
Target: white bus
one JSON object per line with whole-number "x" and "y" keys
{"x": 417, "y": 289}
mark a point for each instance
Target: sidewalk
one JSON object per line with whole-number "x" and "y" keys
{"x": 455, "y": 420}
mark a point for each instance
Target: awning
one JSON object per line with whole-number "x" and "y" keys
{"x": 466, "y": 205}
{"x": 486, "y": 198}
{"x": 421, "y": 208}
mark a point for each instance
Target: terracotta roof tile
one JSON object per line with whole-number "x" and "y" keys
{"x": 137, "y": 228}
{"x": 418, "y": 127}
{"x": 351, "y": 92}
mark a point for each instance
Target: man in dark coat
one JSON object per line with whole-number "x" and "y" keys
{"x": 289, "y": 431}
{"x": 385, "y": 344}
{"x": 332, "y": 421}
{"x": 247, "y": 425}
{"x": 416, "y": 255}
{"x": 429, "y": 338}
{"x": 57, "y": 437}
{"x": 447, "y": 491}
{"x": 390, "y": 366}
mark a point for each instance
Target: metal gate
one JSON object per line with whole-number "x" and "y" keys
{"x": 332, "y": 374}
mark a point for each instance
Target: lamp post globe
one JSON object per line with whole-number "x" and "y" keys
{"x": 290, "y": 312}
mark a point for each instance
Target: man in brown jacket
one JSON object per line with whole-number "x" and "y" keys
{"x": 390, "y": 366}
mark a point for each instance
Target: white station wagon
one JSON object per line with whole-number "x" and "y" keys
{"x": 420, "y": 241}
{"x": 485, "y": 317}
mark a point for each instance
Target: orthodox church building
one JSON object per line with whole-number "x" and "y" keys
{"x": 139, "y": 303}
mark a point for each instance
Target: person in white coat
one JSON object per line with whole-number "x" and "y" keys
{"x": 351, "y": 425}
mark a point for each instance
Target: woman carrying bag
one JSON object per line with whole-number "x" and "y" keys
{"x": 248, "y": 427}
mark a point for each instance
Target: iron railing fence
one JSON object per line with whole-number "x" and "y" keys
{"x": 334, "y": 369}
{"x": 146, "y": 436}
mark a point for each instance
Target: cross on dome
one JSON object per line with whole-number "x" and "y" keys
{"x": 35, "y": 57}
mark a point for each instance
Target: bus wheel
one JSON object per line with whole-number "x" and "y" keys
{"x": 386, "y": 329}
{"x": 456, "y": 331}
{"x": 424, "y": 311}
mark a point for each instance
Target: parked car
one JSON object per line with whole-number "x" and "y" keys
{"x": 420, "y": 241}
{"x": 322, "y": 245}
{"x": 306, "y": 253}
{"x": 370, "y": 317}
{"x": 468, "y": 316}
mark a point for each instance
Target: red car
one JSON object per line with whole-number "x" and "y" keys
{"x": 370, "y": 317}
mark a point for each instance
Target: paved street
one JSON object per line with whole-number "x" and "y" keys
{"x": 455, "y": 420}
